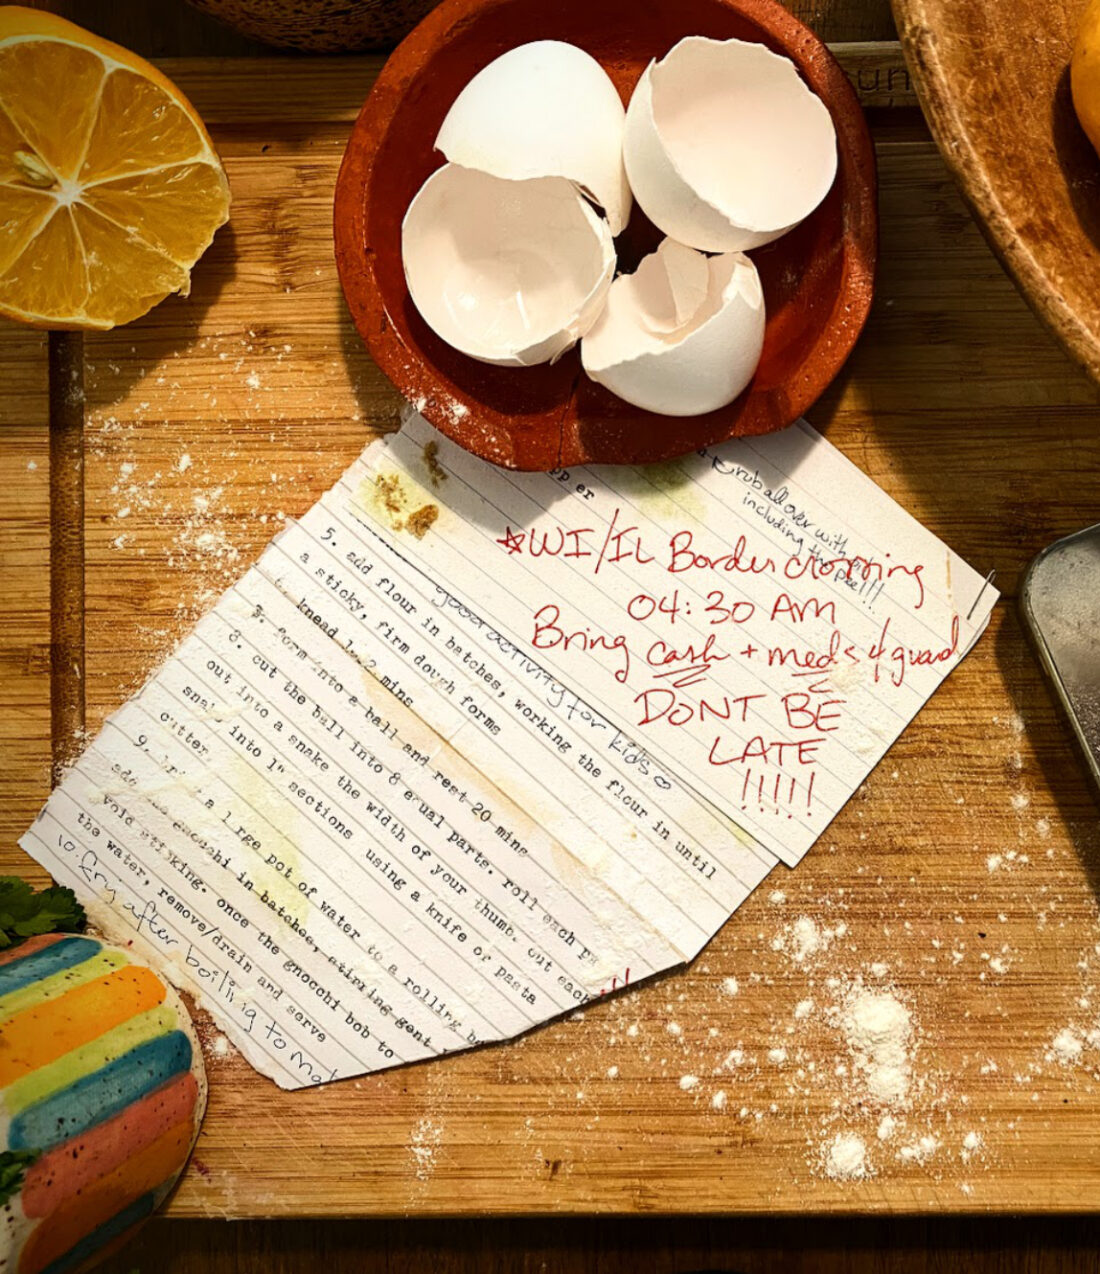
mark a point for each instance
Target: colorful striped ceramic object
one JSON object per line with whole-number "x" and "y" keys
{"x": 101, "y": 1078}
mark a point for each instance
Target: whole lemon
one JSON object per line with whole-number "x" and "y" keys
{"x": 1085, "y": 73}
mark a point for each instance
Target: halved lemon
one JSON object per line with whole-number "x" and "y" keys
{"x": 110, "y": 189}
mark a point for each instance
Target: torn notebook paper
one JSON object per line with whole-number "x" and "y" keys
{"x": 466, "y": 747}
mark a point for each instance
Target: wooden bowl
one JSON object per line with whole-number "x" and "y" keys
{"x": 817, "y": 280}
{"x": 994, "y": 84}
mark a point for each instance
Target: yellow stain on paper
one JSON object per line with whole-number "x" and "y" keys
{"x": 393, "y": 499}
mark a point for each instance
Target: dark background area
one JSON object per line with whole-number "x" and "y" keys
{"x": 171, "y": 28}
{"x": 636, "y": 1245}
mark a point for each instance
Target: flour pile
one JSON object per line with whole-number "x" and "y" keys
{"x": 879, "y": 1031}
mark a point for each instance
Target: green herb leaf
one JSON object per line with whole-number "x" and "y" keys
{"x": 25, "y": 912}
{"x": 13, "y": 1168}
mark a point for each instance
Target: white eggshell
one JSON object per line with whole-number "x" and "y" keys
{"x": 726, "y": 148}
{"x": 652, "y": 350}
{"x": 508, "y": 272}
{"x": 545, "y": 109}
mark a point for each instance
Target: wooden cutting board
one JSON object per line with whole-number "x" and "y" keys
{"x": 963, "y": 874}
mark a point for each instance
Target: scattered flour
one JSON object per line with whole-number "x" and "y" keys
{"x": 805, "y": 940}
{"x": 972, "y": 1143}
{"x": 730, "y": 986}
{"x": 423, "y": 1144}
{"x": 688, "y": 1082}
{"x": 879, "y": 1030}
{"x": 1067, "y": 1046}
{"x": 1007, "y": 861}
{"x": 846, "y": 1158}
{"x": 920, "y": 1151}
{"x": 718, "y": 1101}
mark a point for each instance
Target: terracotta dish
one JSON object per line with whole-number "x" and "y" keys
{"x": 994, "y": 84}
{"x": 817, "y": 280}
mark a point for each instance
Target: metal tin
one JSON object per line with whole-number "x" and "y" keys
{"x": 1060, "y": 604}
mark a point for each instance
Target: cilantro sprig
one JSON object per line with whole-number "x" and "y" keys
{"x": 25, "y": 912}
{"x": 13, "y": 1168}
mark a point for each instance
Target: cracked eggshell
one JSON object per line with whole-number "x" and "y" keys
{"x": 545, "y": 109}
{"x": 682, "y": 335}
{"x": 508, "y": 272}
{"x": 726, "y": 148}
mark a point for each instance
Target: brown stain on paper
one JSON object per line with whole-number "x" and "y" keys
{"x": 421, "y": 520}
{"x": 392, "y": 498}
{"x": 431, "y": 462}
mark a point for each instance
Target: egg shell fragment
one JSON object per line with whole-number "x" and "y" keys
{"x": 508, "y": 272}
{"x": 646, "y": 348}
{"x": 545, "y": 109}
{"x": 725, "y": 146}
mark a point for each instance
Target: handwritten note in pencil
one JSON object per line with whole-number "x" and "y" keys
{"x": 467, "y": 748}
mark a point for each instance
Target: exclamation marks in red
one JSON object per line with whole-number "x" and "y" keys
{"x": 781, "y": 795}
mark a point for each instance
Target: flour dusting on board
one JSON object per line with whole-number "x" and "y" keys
{"x": 879, "y": 1030}
{"x": 211, "y": 533}
{"x": 846, "y": 1158}
{"x": 845, "y": 1048}
{"x": 423, "y": 1145}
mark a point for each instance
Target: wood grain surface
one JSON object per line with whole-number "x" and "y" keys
{"x": 65, "y": 351}
{"x": 997, "y": 98}
{"x": 976, "y": 841}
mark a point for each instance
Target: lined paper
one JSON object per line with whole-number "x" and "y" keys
{"x": 466, "y": 748}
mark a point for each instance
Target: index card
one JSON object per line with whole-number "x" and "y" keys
{"x": 466, "y": 748}
{"x": 761, "y": 618}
